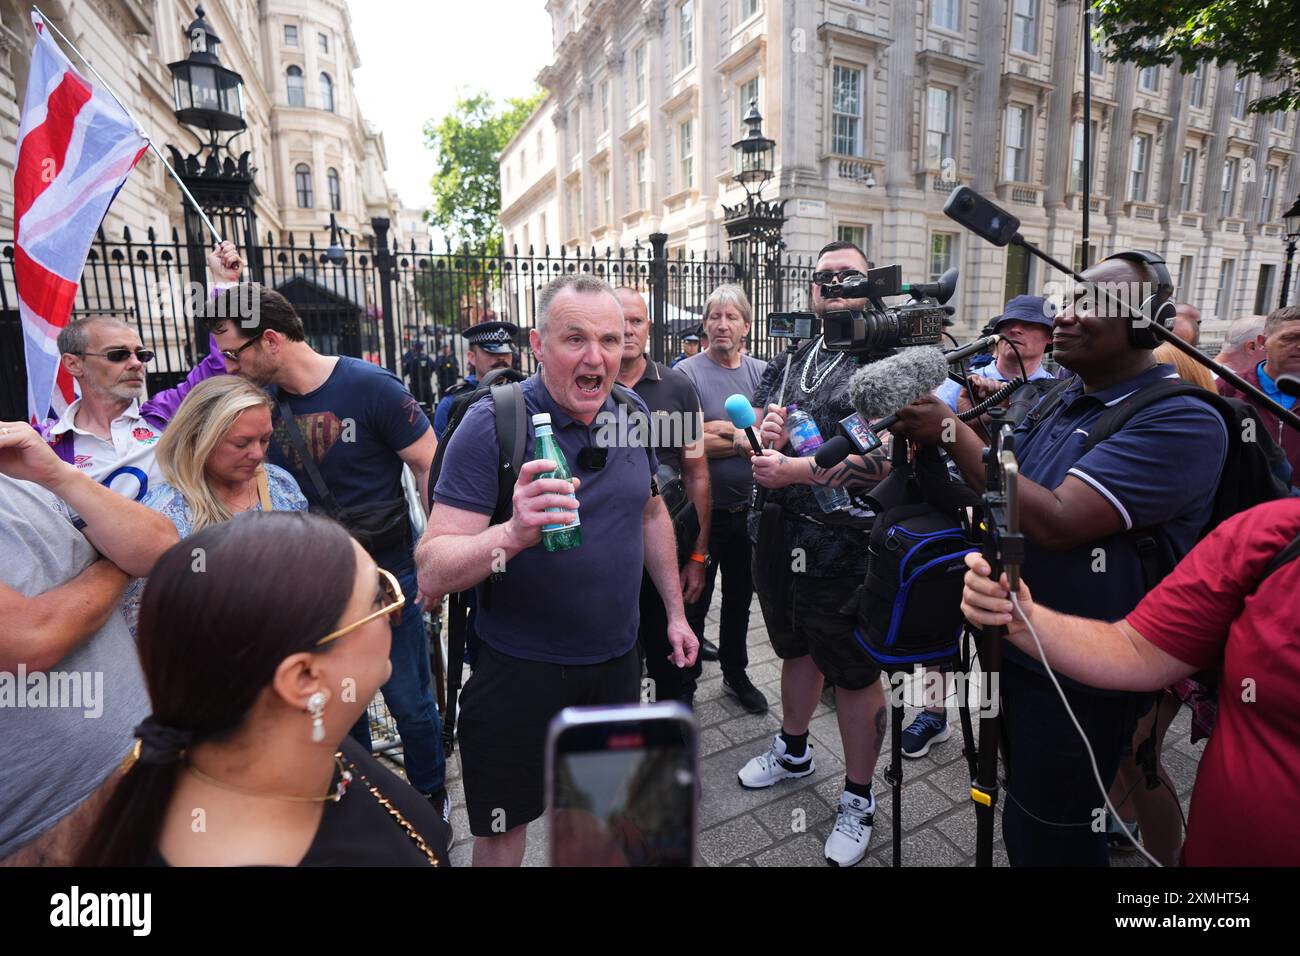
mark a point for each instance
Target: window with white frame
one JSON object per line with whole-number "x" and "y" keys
{"x": 686, "y": 153}
{"x": 1228, "y": 188}
{"x": 747, "y": 94}
{"x": 642, "y": 180}
{"x": 290, "y": 34}
{"x": 1024, "y": 26}
{"x": 297, "y": 90}
{"x": 1267, "y": 188}
{"x": 523, "y": 162}
{"x": 939, "y": 123}
{"x": 1097, "y": 61}
{"x": 942, "y": 247}
{"x": 1186, "y": 277}
{"x": 1149, "y": 79}
{"x": 638, "y": 75}
{"x": 854, "y": 234}
{"x": 1198, "y": 85}
{"x": 1139, "y": 161}
{"x": 685, "y": 34}
{"x": 302, "y": 183}
{"x": 945, "y": 13}
{"x": 1015, "y": 159}
{"x": 1240, "y": 93}
{"x": 539, "y": 146}
{"x": 1279, "y": 119}
{"x": 1186, "y": 179}
{"x": 1076, "y": 159}
{"x": 604, "y": 106}
{"x": 1223, "y": 301}
{"x": 846, "y": 110}
{"x": 326, "y": 93}
{"x": 335, "y": 191}
{"x": 748, "y": 8}
{"x": 324, "y": 41}
{"x": 606, "y": 197}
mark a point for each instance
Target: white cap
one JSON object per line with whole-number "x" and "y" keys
{"x": 541, "y": 418}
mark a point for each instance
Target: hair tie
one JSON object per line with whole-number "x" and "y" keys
{"x": 160, "y": 744}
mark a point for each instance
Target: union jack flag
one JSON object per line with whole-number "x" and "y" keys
{"x": 76, "y": 146}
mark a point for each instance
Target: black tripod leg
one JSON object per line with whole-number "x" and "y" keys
{"x": 896, "y": 772}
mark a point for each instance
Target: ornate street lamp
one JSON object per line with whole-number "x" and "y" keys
{"x": 205, "y": 93}
{"x": 754, "y": 226}
{"x": 1291, "y": 226}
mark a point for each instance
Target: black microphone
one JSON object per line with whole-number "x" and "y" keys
{"x": 1289, "y": 385}
{"x": 971, "y": 348}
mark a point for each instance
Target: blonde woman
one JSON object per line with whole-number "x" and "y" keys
{"x": 1188, "y": 369}
{"x": 212, "y": 457}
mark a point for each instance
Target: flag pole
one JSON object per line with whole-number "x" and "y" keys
{"x": 109, "y": 90}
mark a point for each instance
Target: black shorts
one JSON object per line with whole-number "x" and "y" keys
{"x": 814, "y": 626}
{"x": 506, "y": 707}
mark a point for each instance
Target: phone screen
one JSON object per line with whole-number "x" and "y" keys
{"x": 623, "y": 794}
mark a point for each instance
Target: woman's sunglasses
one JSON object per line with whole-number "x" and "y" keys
{"x": 118, "y": 356}
{"x": 393, "y": 602}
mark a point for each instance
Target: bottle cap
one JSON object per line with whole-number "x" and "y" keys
{"x": 541, "y": 418}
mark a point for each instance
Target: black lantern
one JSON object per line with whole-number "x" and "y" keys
{"x": 1291, "y": 226}
{"x": 754, "y": 153}
{"x": 204, "y": 92}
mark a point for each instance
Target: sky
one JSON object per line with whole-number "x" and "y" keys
{"x": 417, "y": 57}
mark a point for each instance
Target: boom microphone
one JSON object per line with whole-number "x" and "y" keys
{"x": 971, "y": 348}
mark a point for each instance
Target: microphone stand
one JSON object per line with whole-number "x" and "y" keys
{"x": 1003, "y": 547}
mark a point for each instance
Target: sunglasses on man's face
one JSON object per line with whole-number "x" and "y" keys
{"x": 826, "y": 276}
{"x": 233, "y": 354}
{"x": 118, "y": 356}
{"x": 391, "y": 601}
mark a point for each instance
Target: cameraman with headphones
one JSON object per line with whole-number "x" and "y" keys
{"x": 1077, "y": 505}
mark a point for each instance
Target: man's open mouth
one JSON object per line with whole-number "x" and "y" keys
{"x": 589, "y": 384}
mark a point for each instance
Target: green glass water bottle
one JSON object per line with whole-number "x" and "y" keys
{"x": 555, "y": 537}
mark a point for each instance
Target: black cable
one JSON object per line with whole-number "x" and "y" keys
{"x": 997, "y": 398}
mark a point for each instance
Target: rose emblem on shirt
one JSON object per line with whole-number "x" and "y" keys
{"x": 144, "y": 435}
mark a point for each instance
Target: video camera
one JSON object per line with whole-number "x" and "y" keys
{"x": 878, "y": 327}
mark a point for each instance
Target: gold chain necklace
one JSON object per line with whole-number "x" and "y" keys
{"x": 345, "y": 778}
{"x": 396, "y": 815}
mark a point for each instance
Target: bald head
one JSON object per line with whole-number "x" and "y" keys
{"x": 1187, "y": 323}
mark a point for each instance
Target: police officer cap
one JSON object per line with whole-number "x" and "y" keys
{"x": 495, "y": 337}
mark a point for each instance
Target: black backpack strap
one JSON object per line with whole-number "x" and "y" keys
{"x": 512, "y": 423}
{"x": 1119, "y": 414}
{"x": 1051, "y": 398}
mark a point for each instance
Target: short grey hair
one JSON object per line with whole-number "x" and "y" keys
{"x": 1242, "y": 331}
{"x": 73, "y": 338}
{"x": 1273, "y": 324}
{"x": 577, "y": 284}
{"x": 729, "y": 295}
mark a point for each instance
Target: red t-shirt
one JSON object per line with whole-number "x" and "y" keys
{"x": 1246, "y": 804}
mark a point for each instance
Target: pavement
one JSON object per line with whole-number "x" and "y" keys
{"x": 787, "y": 824}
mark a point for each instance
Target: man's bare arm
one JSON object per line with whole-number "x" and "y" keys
{"x": 126, "y": 532}
{"x": 419, "y": 457}
{"x": 720, "y": 439}
{"x": 40, "y": 631}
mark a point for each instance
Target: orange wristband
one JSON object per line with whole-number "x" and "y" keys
{"x": 701, "y": 558}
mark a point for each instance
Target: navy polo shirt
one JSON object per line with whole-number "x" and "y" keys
{"x": 1160, "y": 470}
{"x": 566, "y": 607}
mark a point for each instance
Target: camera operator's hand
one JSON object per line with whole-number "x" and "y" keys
{"x": 927, "y": 421}
{"x": 984, "y": 602}
{"x": 772, "y": 432}
{"x": 531, "y": 498}
{"x": 981, "y": 386}
{"x": 775, "y": 470}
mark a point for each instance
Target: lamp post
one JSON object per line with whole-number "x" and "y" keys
{"x": 208, "y": 96}
{"x": 754, "y": 226}
{"x": 1291, "y": 226}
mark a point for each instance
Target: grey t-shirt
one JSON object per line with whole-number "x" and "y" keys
{"x": 76, "y": 721}
{"x": 731, "y": 479}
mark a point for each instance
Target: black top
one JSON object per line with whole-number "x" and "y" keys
{"x": 674, "y": 409}
{"x": 359, "y": 831}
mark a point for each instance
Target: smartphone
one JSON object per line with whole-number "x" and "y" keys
{"x": 622, "y": 785}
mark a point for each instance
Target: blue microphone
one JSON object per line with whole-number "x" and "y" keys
{"x": 741, "y": 414}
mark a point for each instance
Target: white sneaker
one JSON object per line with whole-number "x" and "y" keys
{"x": 766, "y": 769}
{"x": 847, "y": 844}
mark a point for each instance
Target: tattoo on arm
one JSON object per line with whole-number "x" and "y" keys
{"x": 864, "y": 471}
{"x": 881, "y": 722}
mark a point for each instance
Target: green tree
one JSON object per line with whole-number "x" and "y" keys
{"x": 467, "y": 145}
{"x": 1261, "y": 36}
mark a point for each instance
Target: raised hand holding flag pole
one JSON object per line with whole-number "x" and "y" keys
{"x": 77, "y": 143}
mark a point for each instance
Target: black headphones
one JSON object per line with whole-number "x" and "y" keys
{"x": 1157, "y": 308}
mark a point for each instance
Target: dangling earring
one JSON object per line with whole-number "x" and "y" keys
{"x": 316, "y": 707}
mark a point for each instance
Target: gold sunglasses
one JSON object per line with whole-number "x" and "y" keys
{"x": 394, "y": 601}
